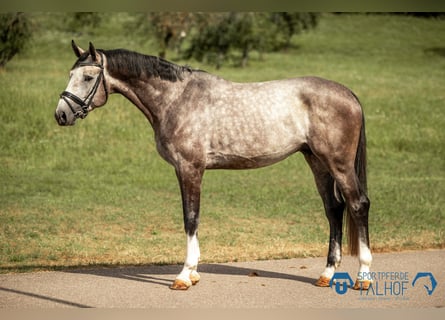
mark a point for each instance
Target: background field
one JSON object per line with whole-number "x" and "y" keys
{"x": 98, "y": 192}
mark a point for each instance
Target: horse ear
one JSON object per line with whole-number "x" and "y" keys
{"x": 92, "y": 52}
{"x": 77, "y": 50}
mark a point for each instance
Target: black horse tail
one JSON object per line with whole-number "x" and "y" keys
{"x": 360, "y": 170}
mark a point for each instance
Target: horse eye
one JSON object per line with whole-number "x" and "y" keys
{"x": 87, "y": 78}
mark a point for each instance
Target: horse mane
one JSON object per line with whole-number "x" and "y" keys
{"x": 127, "y": 64}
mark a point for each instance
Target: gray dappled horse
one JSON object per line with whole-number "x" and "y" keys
{"x": 202, "y": 121}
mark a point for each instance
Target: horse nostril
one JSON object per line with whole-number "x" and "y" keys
{"x": 61, "y": 118}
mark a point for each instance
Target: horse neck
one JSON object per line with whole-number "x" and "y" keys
{"x": 151, "y": 95}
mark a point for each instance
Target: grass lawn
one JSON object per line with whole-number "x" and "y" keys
{"x": 98, "y": 192}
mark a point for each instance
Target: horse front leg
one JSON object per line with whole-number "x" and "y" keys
{"x": 190, "y": 179}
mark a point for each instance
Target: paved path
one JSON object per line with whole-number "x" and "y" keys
{"x": 259, "y": 284}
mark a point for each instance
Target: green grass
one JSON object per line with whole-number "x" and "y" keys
{"x": 98, "y": 192}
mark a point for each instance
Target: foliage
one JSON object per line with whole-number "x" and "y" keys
{"x": 168, "y": 28}
{"x": 212, "y": 36}
{"x": 211, "y": 39}
{"x": 15, "y": 31}
{"x": 83, "y": 21}
{"x": 218, "y": 33}
{"x": 291, "y": 23}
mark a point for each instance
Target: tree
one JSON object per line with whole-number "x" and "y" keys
{"x": 218, "y": 33}
{"x": 15, "y": 31}
{"x": 292, "y": 23}
{"x": 211, "y": 38}
{"x": 80, "y": 22}
{"x": 168, "y": 28}
{"x": 246, "y": 34}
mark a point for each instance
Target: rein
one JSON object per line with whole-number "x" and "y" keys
{"x": 86, "y": 102}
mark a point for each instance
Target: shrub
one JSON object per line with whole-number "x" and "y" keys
{"x": 15, "y": 31}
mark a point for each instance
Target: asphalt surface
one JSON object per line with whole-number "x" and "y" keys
{"x": 259, "y": 284}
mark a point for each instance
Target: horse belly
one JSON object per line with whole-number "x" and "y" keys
{"x": 221, "y": 160}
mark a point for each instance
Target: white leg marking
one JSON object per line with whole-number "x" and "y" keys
{"x": 365, "y": 257}
{"x": 330, "y": 270}
{"x": 191, "y": 261}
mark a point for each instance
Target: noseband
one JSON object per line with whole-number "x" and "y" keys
{"x": 85, "y": 103}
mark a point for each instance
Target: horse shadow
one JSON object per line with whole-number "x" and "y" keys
{"x": 162, "y": 275}
{"x": 156, "y": 274}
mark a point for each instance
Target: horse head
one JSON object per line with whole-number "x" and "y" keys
{"x": 86, "y": 88}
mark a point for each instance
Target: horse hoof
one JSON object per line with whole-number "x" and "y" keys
{"x": 180, "y": 285}
{"x": 361, "y": 285}
{"x": 194, "y": 277}
{"x": 323, "y": 282}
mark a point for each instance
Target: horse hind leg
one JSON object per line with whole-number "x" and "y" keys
{"x": 334, "y": 206}
{"x": 357, "y": 204}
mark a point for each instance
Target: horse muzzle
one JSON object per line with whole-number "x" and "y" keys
{"x": 64, "y": 116}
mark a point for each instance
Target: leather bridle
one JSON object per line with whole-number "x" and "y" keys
{"x": 82, "y": 105}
